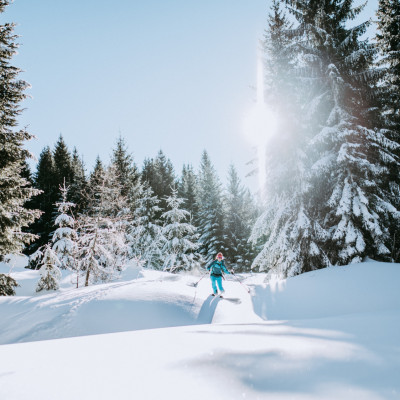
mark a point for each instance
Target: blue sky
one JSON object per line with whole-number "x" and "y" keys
{"x": 173, "y": 75}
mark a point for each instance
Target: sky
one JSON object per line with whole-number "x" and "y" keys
{"x": 175, "y": 75}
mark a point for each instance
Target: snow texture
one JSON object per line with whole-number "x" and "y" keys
{"x": 327, "y": 334}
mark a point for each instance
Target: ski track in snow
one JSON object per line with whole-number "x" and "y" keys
{"x": 329, "y": 334}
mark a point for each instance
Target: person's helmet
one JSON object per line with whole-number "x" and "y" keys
{"x": 219, "y": 255}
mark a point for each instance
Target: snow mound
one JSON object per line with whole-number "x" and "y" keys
{"x": 336, "y": 337}
{"x": 353, "y": 289}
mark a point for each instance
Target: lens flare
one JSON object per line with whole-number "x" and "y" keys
{"x": 260, "y": 125}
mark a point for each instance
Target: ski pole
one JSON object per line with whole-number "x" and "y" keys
{"x": 246, "y": 287}
{"x": 195, "y": 284}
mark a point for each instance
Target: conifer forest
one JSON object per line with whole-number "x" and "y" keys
{"x": 330, "y": 190}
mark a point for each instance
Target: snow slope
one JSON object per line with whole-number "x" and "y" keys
{"x": 329, "y": 334}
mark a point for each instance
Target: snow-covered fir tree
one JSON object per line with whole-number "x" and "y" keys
{"x": 62, "y": 163}
{"x": 388, "y": 43}
{"x": 128, "y": 175}
{"x": 7, "y": 285}
{"x": 279, "y": 61}
{"x": 94, "y": 256}
{"x": 210, "y": 219}
{"x": 145, "y": 237}
{"x": 96, "y": 177}
{"x": 101, "y": 233}
{"x": 338, "y": 211}
{"x": 15, "y": 190}
{"x": 44, "y": 180}
{"x": 349, "y": 152}
{"x": 291, "y": 236}
{"x": 50, "y": 273}
{"x": 77, "y": 191}
{"x": 240, "y": 214}
{"x": 179, "y": 251}
{"x": 65, "y": 236}
{"x": 159, "y": 174}
{"x": 187, "y": 190}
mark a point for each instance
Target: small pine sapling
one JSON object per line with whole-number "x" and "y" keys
{"x": 65, "y": 237}
{"x": 49, "y": 271}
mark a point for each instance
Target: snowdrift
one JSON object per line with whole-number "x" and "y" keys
{"x": 328, "y": 334}
{"x": 357, "y": 288}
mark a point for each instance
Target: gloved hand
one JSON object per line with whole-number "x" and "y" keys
{"x": 232, "y": 272}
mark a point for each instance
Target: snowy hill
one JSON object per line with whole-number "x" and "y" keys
{"x": 329, "y": 334}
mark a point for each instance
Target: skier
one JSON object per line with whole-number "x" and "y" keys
{"x": 217, "y": 268}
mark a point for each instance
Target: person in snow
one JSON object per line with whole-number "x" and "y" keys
{"x": 217, "y": 268}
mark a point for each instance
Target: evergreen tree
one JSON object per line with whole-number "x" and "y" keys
{"x": 179, "y": 251}
{"x": 50, "y": 274}
{"x": 145, "y": 235}
{"x": 30, "y": 204}
{"x": 102, "y": 243}
{"x": 62, "y": 163}
{"x": 240, "y": 213}
{"x": 94, "y": 255}
{"x": 337, "y": 210}
{"x": 210, "y": 222}
{"x": 65, "y": 236}
{"x": 45, "y": 180}
{"x": 159, "y": 174}
{"x": 128, "y": 175}
{"x": 187, "y": 190}
{"x": 96, "y": 177}
{"x": 291, "y": 237}
{"x": 350, "y": 153}
{"x": 15, "y": 190}
{"x": 96, "y": 180}
{"x": 7, "y": 285}
{"x": 279, "y": 59}
{"x": 388, "y": 42}
{"x": 26, "y": 173}
{"x": 77, "y": 192}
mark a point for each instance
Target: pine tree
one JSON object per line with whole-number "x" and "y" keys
{"x": 94, "y": 256}
{"x": 210, "y": 220}
{"x": 291, "y": 237}
{"x": 97, "y": 173}
{"x": 187, "y": 190}
{"x": 26, "y": 173}
{"x": 62, "y": 163}
{"x": 102, "y": 243}
{"x": 348, "y": 174}
{"x": 159, "y": 174}
{"x": 50, "y": 274}
{"x": 78, "y": 190}
{"x": 145, "y": 237}
{"x": 96, "y": 180}
{"x": 45, "y": 180}
{"x": 15, "y": 190}
{"x": 388, "y": 42}
{"x": 29, "y": 204}
{"x": 179, "y": 251}
{"x": 65, "y": 236}
{"x": 128, "y": 175}
{"x": 333, "y": 208}
{"x": 240, "y": 214}
{"x": 279, "y": 59}
{"x": 7, "y": 285}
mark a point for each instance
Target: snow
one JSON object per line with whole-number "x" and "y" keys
{"x": 326, "y": 334}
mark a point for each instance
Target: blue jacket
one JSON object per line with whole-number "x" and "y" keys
{"x": 217, "y": 268}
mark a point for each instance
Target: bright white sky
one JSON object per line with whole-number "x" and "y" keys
{"x": 173, "y": 75}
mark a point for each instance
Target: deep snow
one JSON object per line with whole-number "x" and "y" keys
{"x": 329, "y": 334}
